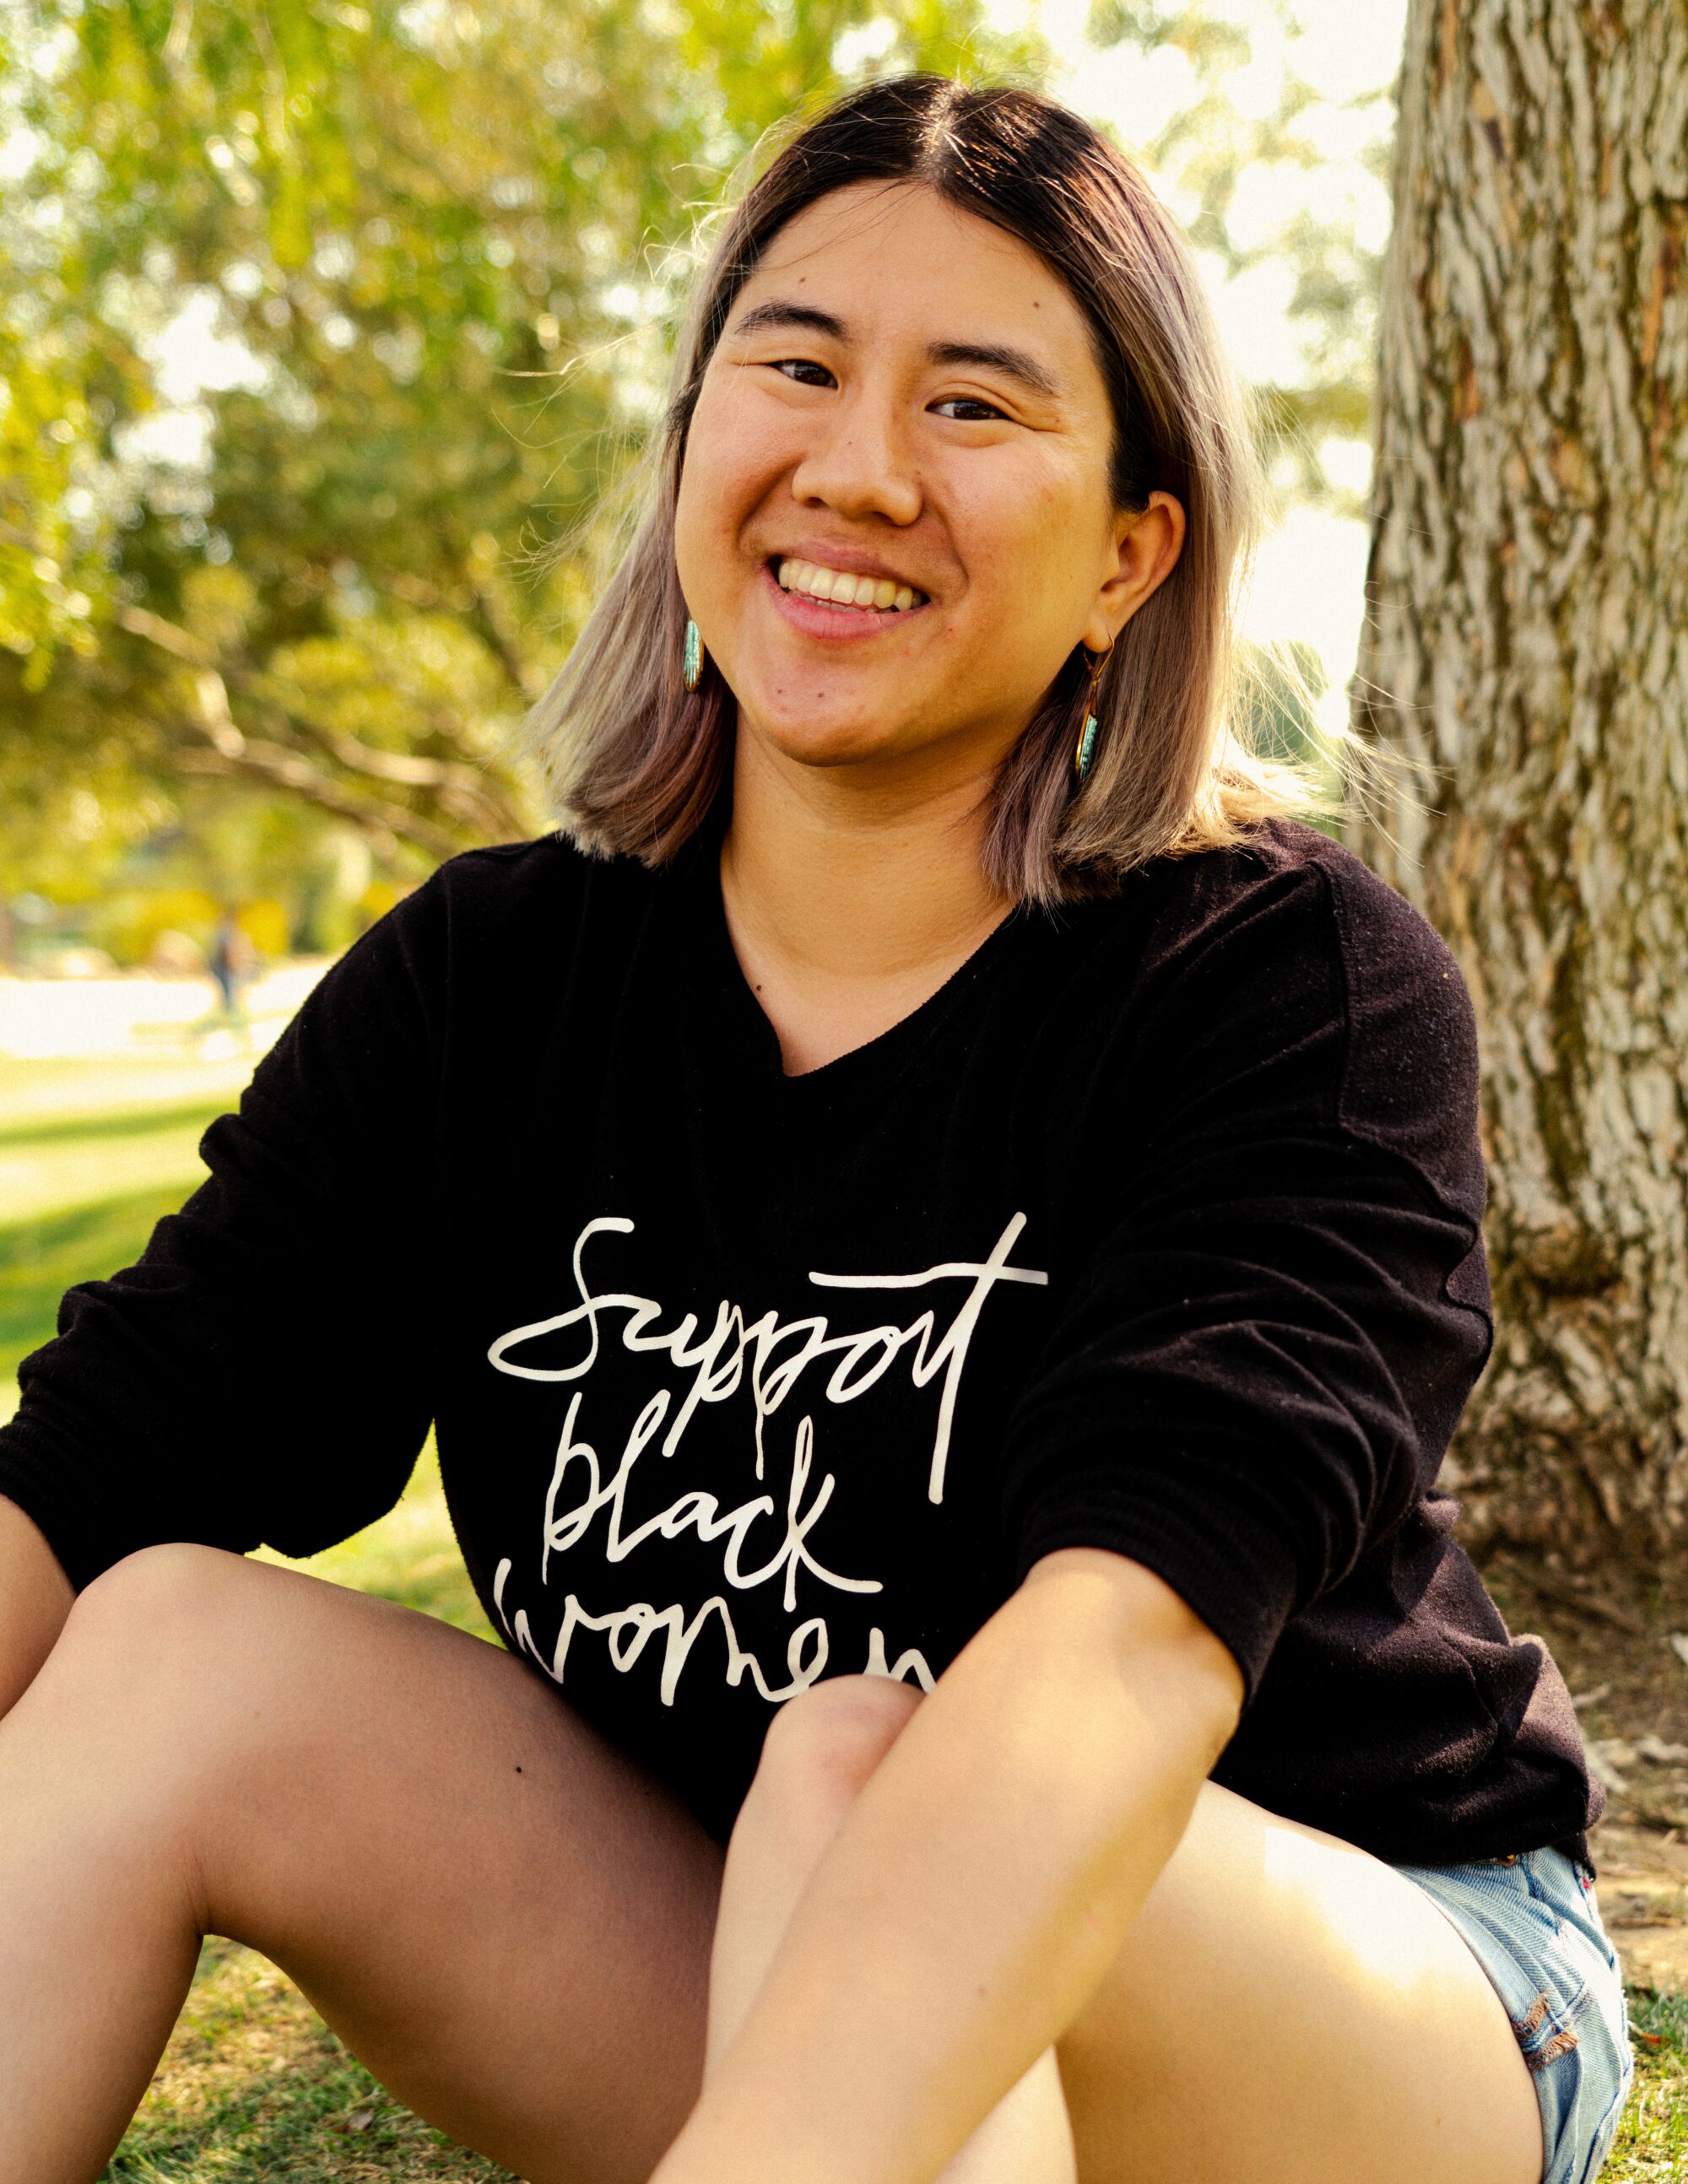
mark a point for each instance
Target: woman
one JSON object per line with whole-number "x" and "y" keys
{"x": 944, "y": 1260}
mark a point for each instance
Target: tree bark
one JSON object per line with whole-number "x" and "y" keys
{"x": 1527, "y": 648}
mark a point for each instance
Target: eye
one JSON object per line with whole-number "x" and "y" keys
{"x": 792, "y": 367}
{"x": 979, "y": 412}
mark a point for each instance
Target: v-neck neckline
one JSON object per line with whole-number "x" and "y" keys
{"x": 752, "y": 1031}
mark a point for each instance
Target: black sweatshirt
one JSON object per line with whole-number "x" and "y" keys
{"x": 1157, "y": 1229}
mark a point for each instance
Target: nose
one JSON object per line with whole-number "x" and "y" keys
{"x": 858, "y": 462}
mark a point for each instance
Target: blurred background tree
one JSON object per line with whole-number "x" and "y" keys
{"x": 319, "y": 330}
{"x": 320, "y": 324}
{"x": 1282, "y": 186}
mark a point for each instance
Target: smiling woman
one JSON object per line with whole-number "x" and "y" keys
{"x": 989, "y": 338}
{"x": 939, "y": 1232}
{"x": 909, "y": 433}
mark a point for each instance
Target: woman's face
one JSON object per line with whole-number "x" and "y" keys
{"x": 907, "y": 398}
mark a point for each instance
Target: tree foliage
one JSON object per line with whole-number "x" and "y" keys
{"x": 319, "y": 323}
{"x": 321, "y": 327}
{"x": 1246, "y": 158}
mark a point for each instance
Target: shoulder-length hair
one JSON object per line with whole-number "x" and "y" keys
{"x": 634, "y": 763}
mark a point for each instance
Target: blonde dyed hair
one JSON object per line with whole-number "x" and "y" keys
{"x": 634, "y": 763}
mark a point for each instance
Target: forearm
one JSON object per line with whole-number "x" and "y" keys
{"x": 979, "y": 1888}
{"x": 35, "y": 1599}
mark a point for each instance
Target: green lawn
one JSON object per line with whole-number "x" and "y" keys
{"x": 1653, "y": 2145}
{"x": 254, "y": 2087}
{"x": 40, "y": 1259}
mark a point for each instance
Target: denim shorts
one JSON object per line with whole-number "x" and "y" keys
{"x": 1533, "y": 1925}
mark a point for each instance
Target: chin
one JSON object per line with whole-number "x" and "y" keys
{"x": 841, "y": 741}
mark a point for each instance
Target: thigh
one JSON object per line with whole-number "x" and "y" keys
{"x": 507, "y": 1920}
{"x": 1287, "y": 2009}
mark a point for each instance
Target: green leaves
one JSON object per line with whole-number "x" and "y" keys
{"x": 364, "y": 308}
{"x": 360, "y": 308}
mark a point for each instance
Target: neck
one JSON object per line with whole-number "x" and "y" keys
{"x": 848, "y": 906}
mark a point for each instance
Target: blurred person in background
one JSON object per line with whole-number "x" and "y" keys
{"x": 939, "y": 1225}
{"x": 233, "y": 961}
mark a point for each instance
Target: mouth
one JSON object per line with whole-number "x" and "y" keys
{"x": 843, "y": 591}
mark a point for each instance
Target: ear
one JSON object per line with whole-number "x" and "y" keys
{"x": 1146, "y": 545}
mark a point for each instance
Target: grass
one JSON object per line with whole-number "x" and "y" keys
{"x": 108, "y": 1133}
{"x": 94, "y": 1167}
{"x": 40, "y": 1097}
{"x": 1652, "y": 2140}
{"x": 253, "y": 2085}
{"x": 40, "y": 1259}
{"x": 411, "y": 1555}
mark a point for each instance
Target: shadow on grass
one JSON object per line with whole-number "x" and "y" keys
{"x": 125, "y": 1122}
{"x": 41, "y": 1259}
{"x": 255, "y": 2086}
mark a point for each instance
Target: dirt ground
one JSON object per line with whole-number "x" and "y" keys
{"x": 1612, "y": 1636}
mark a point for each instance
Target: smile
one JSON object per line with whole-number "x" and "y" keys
{"x": 839, "y": 588}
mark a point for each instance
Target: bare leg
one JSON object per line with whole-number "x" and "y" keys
{"x": 1285, "y": 2009}
{"x": 1288, "y": 2010}
{"x": 817, "y": 1758}
{"x": 506, "y": 1920}
{"x": 512, "y": 1923}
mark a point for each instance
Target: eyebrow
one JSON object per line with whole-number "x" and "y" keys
{"x": 990, "y": 356}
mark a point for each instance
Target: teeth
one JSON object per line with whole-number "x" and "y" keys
{"x": 880, "y": 592}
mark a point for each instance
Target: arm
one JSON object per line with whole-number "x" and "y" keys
{"x": 979, "y": 1888}
{"x": 1283, "y": 1313}
{"x": 261, "y": 1374}
{"x": 35, "y": 1599}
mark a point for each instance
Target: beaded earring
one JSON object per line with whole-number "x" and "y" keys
{"x": 1087, "y": 735}
{"x": 691, "y": 671}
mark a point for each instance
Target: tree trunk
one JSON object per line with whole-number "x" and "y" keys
{"x": 1528, "y": 640}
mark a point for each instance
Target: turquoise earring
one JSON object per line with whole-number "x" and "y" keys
{"x": 1087, "y": 745}
{"x": 693, "y": 672}
{"x": 1087, "y": 735}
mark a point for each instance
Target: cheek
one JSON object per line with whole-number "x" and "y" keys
{"x": 733, "y": 463}
{"x": 1025, "y": 547}
{"x": 733, "y": 452}
{"x": 1049, "y": 542}
{"x": 1063, "y": 517}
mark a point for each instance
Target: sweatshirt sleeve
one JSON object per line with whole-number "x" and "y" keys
{"x": 261, "y": 1374}
{"x": 1260, "y": 1367}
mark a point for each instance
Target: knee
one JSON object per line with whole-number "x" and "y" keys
{"x": 822, "y": 1745}
{"x": 151, "y": 1601}
{"x": 139, "y": 1691}
{"x": 158, "y": 1638}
